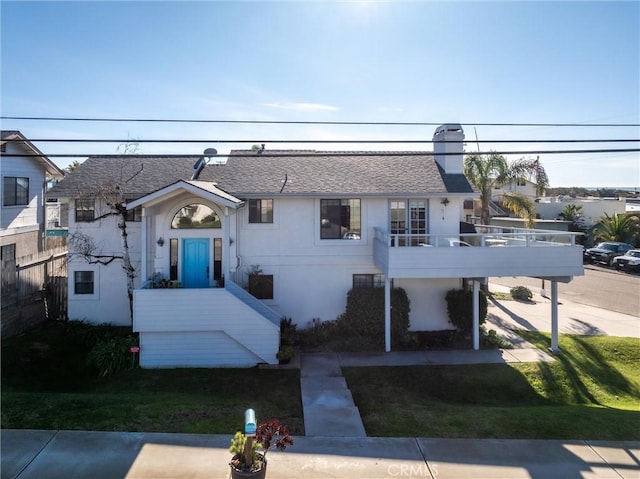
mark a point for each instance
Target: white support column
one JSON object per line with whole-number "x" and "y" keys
{"x": 554, "y": 317}
{"x": 387, "y": 314}
{"x": 144, "y": 274}
{"x": 476, "y": 315}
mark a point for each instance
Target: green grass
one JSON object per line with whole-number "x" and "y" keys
{"x": 46, "y": 384}
{"x": 592, "y": 391}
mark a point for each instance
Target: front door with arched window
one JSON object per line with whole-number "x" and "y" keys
{"x": 200, "y": 246}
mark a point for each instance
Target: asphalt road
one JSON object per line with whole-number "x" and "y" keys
{"x": 600, "y": 286}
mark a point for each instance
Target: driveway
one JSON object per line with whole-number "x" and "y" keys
{"x": 573, "y": 318}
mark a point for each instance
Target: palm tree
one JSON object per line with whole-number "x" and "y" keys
{"x": 617, "y": 227}
{"x": 487, "y": 172}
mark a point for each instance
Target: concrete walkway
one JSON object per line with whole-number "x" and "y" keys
{"x": 327, "y": 404}
{"x": 114, "y": 455}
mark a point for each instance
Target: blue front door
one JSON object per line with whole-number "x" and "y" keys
{"x": 195, "y": 270}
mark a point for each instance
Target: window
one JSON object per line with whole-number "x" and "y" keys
{"x": 173, "y": 259}
{"x": 522, "y": 182}
{"x": 135, "y": 215}
{"x": 368, "y": 281}
{"x": 83, "y": 282}
{"x": 196, "y": 216}
{"x": 340, "y": 219}
{"x": 3, "y": 148}
{"x": 260, "y": 211}
{"x": 261, "y": 285}
{"x": 8, "y": 252}
{"x": 85, "y": 210}
{"x": 16, "y": 191}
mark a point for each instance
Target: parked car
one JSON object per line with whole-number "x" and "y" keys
{"x": 629, "y": 261}
{"x": 606, "y": 251}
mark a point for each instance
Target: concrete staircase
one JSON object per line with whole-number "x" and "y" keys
{"x": 327, "y": 403}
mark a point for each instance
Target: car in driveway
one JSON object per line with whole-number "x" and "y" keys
{"x": 605, "y": 252}
{"x": 629, "y": 261}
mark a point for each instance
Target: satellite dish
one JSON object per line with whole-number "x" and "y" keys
{"x": 210, "y": 152}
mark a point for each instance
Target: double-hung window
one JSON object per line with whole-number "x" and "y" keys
{"x": 16, "y": 191}
{"x": 83, "y": 282}
{"x": 260, "y": 211}
{"x": 85, "y": 210}
{"x": 340, "y": 219}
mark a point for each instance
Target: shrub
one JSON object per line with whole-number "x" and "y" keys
{"x": 521, "y": 292}
{"x": 318, "y": 334}
{"x": 460, "y": 309}
{"x": 364, "y": 317}
{"x": 288, "y": 332}
{"x": 112, "y": 355}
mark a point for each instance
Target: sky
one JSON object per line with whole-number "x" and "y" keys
{"x": 432, "y": 62}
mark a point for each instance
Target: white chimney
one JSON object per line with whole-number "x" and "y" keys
{"x": 449, "y": 155}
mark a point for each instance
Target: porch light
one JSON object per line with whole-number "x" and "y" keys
{"x": 160, "y": 242}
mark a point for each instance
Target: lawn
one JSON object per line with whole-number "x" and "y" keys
{"x": 592, "y": 391}
{"x": 46, "y": 384}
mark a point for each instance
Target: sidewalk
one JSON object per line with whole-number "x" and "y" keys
{"x": 111, "y": 455}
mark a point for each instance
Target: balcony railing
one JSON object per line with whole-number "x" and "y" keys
{"x": 493, "y": 251}
{"x": 486, "y": 236}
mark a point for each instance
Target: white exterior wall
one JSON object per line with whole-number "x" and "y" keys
{"x": 109, "y": 303}
{"x": 312, "y": 276}
{"x": 22, "y": 218}
{"x": 428, "y": 306}
{"x": 592, "y": 209}
{"x": 201, "y": 327}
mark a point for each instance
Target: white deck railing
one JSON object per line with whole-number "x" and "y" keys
{"x": 487, "y": 236}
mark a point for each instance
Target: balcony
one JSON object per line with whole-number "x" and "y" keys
{"x": 492, "y": 252}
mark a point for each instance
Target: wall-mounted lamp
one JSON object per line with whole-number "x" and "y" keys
{"x": 160, "y": 242}
{"x": 444, "y": 202}
{"x": 230, "y": 241}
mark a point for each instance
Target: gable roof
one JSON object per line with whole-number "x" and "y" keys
{"x": 200, "y": 188}
{"x": 49, "y": 166}
{"x": 336, "y": 173}
{"x": 294, "y": 173}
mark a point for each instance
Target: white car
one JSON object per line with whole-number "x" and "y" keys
{"x": 629, "y": 261}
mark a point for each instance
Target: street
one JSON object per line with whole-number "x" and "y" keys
{"x": 600, "y": 287}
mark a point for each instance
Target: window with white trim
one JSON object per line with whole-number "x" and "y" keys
{"x": 261, "y": 211}
{"x": 85, "y": 210}
{"x": 340, "y": 219}
{"x": 83, "y": 282}
{"x": 16, "y": 191}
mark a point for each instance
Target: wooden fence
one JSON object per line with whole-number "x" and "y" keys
{"x": 33, "y": 291}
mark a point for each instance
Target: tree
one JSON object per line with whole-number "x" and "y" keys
{"x": 487, "y": 172}
{"x": 111, "y": 196}
{"x": 622, "y": 227}
{"x": 73, "y": 166}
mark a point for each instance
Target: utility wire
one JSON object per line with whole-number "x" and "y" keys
{"x": 328, "y": 154}
{"x": 281, "y": 122}
{"x": 135, "y": 140}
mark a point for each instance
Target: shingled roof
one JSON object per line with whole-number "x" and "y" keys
{"x": 302, "y": 173}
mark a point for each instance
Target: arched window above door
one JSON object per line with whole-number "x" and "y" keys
{"x": 195, "y": 215}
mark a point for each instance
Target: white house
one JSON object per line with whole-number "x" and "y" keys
{"x": 311, "y": 224}
{"x": 25, "y": 173}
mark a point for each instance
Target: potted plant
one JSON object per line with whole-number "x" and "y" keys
{"x": 250, "y": 453}
{"x": 285, "y": 354}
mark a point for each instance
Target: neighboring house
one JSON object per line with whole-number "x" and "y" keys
{"x": 298, "y": 229}
{"x": 522, "y": 186}
{"x": 26, "y": 171}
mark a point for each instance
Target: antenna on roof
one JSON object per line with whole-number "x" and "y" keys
{"x": 200, "y": 164}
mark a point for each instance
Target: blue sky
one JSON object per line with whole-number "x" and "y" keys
{"x": 464, "y": 62}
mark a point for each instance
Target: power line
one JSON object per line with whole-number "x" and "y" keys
{"x": 135, "y": 140}
{"x": 330, "y": 154}
{"x": 285, "y": 122}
